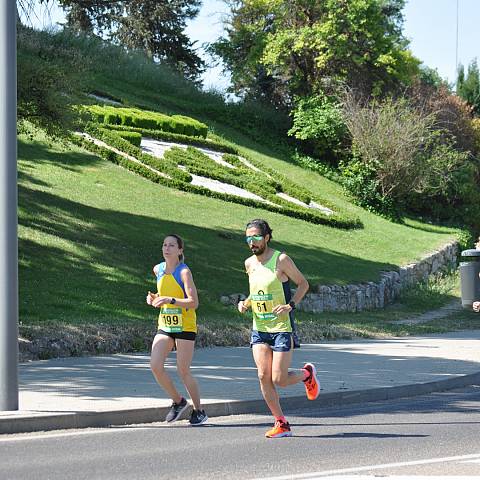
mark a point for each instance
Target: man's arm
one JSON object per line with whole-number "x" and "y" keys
{"x": 287, "y": 266}
{"x": 244, "y": 305}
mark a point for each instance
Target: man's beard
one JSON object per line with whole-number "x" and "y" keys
{"x": 259, "y": 250}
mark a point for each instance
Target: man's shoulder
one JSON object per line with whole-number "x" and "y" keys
{"x": 249, "y": 260}
{"x": 282, "y": 257}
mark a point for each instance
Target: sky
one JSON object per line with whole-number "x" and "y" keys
{"x": 430, "y": 25}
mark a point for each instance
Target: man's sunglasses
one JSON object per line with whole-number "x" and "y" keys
{"x": 254, "y": 238}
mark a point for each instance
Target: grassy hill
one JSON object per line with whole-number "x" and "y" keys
{"x": 90, "y": 231}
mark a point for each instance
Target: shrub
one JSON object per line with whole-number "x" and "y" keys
{"x": 452, "y": 197}
{"x": 388, "y": 137}
{"x": 476, "y": 136}
{"x": 318, "y": 121}
{"x": 452, "y": 113}
{"x": 360, "y": 180}
{"x": 403, "y": 161}
{"x": 327, "y": 171}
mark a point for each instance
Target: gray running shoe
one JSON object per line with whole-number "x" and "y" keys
{"x": 176, "y": 410}
{"x": 198, "y": 417}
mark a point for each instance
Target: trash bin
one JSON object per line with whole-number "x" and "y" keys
{"x": 469, "y": 277}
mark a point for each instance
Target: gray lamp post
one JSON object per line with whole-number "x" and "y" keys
{"x": 456, "y": 44}
{"x": 8, "y": 209}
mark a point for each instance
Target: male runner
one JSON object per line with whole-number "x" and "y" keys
{"x": 269, "y": 272}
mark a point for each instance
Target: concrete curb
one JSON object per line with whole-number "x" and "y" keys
{"x": 17, "y": 422}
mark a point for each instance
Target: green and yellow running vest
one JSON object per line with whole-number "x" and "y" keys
{"x": 266, "y": 292}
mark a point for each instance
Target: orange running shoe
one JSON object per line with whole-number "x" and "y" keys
{"x": 280, "y": 429}
{"x": 312, "y": 385}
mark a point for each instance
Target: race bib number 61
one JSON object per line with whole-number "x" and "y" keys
{"x": 262, "y": 305}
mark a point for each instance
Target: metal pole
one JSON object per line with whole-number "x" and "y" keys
{"x": 456, "y": 46}
{"x": 8, "y": 209}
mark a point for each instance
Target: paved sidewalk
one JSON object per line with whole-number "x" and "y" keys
{"x": 120, "y": 389}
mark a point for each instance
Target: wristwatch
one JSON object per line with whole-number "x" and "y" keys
{"x": 292, "y": 304}
{"x": 173, "y": 301}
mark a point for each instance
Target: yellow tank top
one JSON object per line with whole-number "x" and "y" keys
{"x": 266, "y": 292}
{"x": 173, "y": 318}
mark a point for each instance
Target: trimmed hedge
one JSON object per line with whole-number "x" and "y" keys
{"x": 243, "y": 177}
{"x": 160, "y": 164}
{"x": 173, "y": 137}
{"x": 134, "y": 117}
{"x": 303, "y": 214}
{"x": 134, "y": 138}
{"x": 266, "y": 183}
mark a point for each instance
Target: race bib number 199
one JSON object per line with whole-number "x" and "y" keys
{"x": 171, "y": 320}
{"x": 262, "y": 305}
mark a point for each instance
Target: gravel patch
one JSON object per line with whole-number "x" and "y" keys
{"x": 103, "y": 99}
{"x": 312, "y": 204}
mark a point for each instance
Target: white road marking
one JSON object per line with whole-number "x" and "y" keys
{"x": 403, "y": 477}
{"x": 22, "y": 437}
{"x": 427, "y": 461}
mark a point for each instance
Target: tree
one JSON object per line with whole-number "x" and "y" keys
{"x": 468, "y": 87}
{"x": 154, "y": 26}
{"x": 288, "y": 48}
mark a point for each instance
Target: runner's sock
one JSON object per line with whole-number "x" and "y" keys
{"x": 306, "y": 374}
{"x": 280, "y": 419}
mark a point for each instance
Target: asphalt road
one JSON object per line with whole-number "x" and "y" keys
{"x": 430, "y": 435}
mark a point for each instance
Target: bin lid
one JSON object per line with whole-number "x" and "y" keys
{"x": 473, "y": 252}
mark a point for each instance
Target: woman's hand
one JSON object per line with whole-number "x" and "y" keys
{"x": 158, "y": 301}
{"x": 150, "y": 297}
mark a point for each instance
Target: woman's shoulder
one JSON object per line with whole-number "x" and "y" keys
{"x": 184, "y": 271}
{"x": 159, "y": 268}
{"x": 183, "y": 267}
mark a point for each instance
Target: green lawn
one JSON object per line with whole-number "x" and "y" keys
{"x": 89, "y": 233}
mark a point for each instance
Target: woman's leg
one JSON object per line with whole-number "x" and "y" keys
{"x": 185, "y": 349}
{"x": 162, "y": 346}
{"x": 263, "y": 355}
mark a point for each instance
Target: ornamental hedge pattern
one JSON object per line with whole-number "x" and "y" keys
{"x": 123, "y": 128}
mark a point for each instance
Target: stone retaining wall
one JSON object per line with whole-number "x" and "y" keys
{"x": 371, "y": 295}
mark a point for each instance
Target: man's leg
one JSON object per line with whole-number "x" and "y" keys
{"x": 283, "y": 378}
{"x": 280, "y": 375}
{"x": 263, "y": 355}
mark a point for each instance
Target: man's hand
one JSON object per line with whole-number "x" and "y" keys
{"x": 279, "y": 309}
{"x": 242, "y": 308}
{"x": 476, "y": 306}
